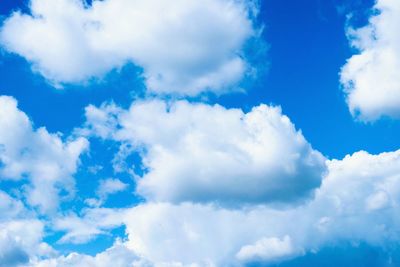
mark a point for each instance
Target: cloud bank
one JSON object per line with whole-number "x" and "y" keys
{"x": 354, "y": 200}
{"x": 356, "y": 203}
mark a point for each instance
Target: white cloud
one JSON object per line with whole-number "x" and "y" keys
{"x": 43, "y": 158}
{"x": 102, "y": 121}
{"x": 116, "y": 256}
{"x": 183, "y": 46}
{"x": 95, "y": 222}
{"x": 199, "y": 234}
{"x": 110, "y": 186}
{"x": 78, "y": 231}
{"x": 267, "y": 250}
{"x": 377, "y": 201}
{"x": 370, "y": 78}
{"x": 166, "y": 234}
{"x": 10, "y": 207}
{"x": 203, "y": 153}
{"x": 339, "y": 212}
{"x": 106, "y": 187}
{"x": 362, "y": 194}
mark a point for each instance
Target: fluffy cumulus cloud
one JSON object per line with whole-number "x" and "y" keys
{"x": 357, "y": 202}
{"x": 370, "y": 78}
{"x": 203, "y": 153}
{"x": 38, "y": 156}
{"x": 183, "y": 47}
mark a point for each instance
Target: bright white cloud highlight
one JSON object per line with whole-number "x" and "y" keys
{"x": 183, "y": 46}
{"x": 267, "y": 249}
{"x": 203, "y": 153}
{"x": 43, "y": 158}
{"x": 371, "y": 78}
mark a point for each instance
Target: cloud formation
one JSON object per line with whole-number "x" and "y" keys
{"x": 348, "y": 208}
{"x": 44, "y": 159}
{"x": 355, "y": 202}
{"x": 183, "y": 47}
{"x": 370, "y": 78}
{"x": 202, "y": 153}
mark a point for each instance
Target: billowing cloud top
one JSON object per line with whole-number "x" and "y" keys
{"x": 203, "y": 153}
{"x": 183, "y": 46}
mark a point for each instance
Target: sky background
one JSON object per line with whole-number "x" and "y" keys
{"x": 302, "y": 49}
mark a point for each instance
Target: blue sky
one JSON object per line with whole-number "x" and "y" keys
{"x": 234, "y": 110}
